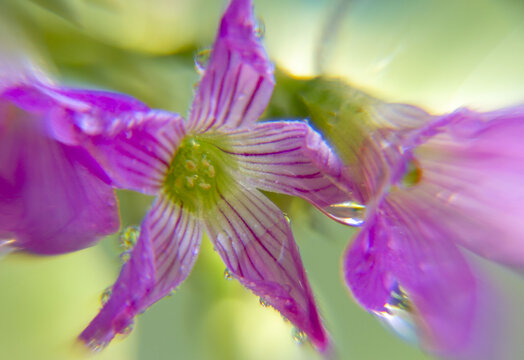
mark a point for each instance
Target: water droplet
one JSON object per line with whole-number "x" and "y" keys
{"x": 128, "y": 329}
{"x": 129, "y": 237}
{"x": 260, "y": 28}
{"x": 125, "y": 256}
{"x": 104, "y": 298}
{"x": 413, "y": 174}
{"x": 348, "y": 212}
{"x": 202, "y": 59}
{"x": 287, "y": 218}
{"x": 227, "y": 274}
{"x": 398, "y": 315}
{"x": 263, "y": 302}
{"x": 89, "y": 124}
{"x": 298, "y": 335}
{"x": 96, "y": 346}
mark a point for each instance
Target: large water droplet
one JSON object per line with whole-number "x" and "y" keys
{"x": 298, "y": 335}
{"x": 202, "y": 59}
{"x": 104, "y": 298}
{"x": 227, "y": 274}
{"x": 398, "y": 316}
{"x": 348, "y": 212}
{"x": 260, "y": 28}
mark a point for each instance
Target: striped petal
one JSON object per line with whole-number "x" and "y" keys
{"x": 403, "y": 268}
{"x": 136, "y": 149}
{"x": 238, "y": 81}
{"x": 254, "y": 239}
{"x": 290, "y": 158}
{"x": 471, "y": 177}
{"x": 163, "y": 257}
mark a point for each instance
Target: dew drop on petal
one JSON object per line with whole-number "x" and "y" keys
{"x": 298, "y": 335}
{"x": 128, "y": 329}
{"x": 260, "y": 28}
{"x": 287, "y": 218}
{"x": 104, "y": 298}
{"x": 227, "y": 274}
{"x": 128, "y": 237}
{"x": 348, "y": 212}
{"x": 263, "y": 302}
{"x": 89, "y": 124}
{"x": 398, "y": 316}
{"x": 202, "y": 59}
{"x": 125, "y": 256}
{"x": 96, "y": 346}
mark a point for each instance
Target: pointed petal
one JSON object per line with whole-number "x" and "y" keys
{"x": 136, "y": 149}
{"x": 162, "y": 258}
{"x": 290, "y": 158}
{"x": 254, "y": 239}
{"x": 238, "y": 81}
{"x": 53, "y": 198}
{"x": 471, "y": 180}
{"x": 400, "y": 249}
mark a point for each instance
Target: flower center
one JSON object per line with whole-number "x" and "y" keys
{"x": 196, "y": 175}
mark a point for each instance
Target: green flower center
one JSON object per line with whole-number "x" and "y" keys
{"x": 198, "y": 173}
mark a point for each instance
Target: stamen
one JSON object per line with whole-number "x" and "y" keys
{"x": 204, "y": 186}
{"x": 190, "y": 165}
{"x": 211, "y": 171}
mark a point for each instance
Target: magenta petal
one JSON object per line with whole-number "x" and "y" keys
{"x": 472, "y": 182}
{"x": 290, "y": 158}
{"x": 254, "y": 239}
{"x": 136, "y": 149}
{"x": 402, "y": 247}
{"x": 163, "y": 257}
{"x": 238, "y": 81}
{"x": 53, "y": 198}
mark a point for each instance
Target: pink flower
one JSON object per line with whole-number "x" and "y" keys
{"x": 205, "y": 174}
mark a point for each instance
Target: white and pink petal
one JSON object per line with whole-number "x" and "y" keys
{"x": 238, "y": 80}
{"x": 254, "y": 239}
{"x": 163, "y": 257}
{"x": 136, "y": 149}
{"x": 289, "y": 157}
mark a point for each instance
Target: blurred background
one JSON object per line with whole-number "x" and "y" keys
{"x": 439, "y": 54}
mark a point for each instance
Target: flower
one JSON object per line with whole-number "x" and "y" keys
{"x": 426, "y": 188}
{"x": 54, "y": 197}
{"x": 205, "y": 173}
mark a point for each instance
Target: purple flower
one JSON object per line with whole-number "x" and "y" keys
{"x": 205, "y": 174}
{"x": 433, "y": 186}
{"x": 54, "y": 197}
